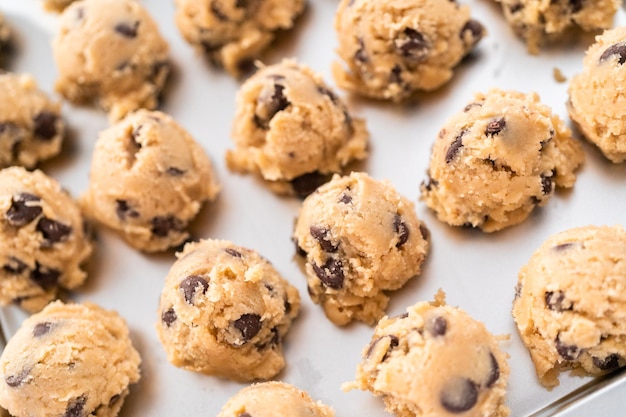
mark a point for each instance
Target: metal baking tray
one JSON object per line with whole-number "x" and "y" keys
{"x": 477, "y": 271}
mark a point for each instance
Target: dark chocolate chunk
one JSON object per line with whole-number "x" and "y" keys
{"x": 471, "y": 106}
{"x": 17, "y": 380}
{"x": 14, "y": 266}
{"x": 114, "y": 399}
{"x": 567, "y": 352}
{"x": 608, "y": 363}
{"x": 576, "y": 5}
{"x": 127, "y": 30}
{"x": 45, "y": 126}
{"x": 233, "y": 252}
{"x": 331, "y": 273}
{"x": 455, "y": 146}
{"x": 175, "y": 172}
{"x": 287, "y": 306}
{"x": 325, "y": 91}
{"x": 494, "y": 371}
{"x": 124, "y": 210}
{"x": 190, "y": 284}
{"x": 475, "y": 30}
{"x": 244, "y": 415}
{"x": 424, "y": 231}
{"x": 563, "y": 246}
{"x": 52, "y": 230}
{"x": 162, "y": 225}
{"x": 24, "y": 209}
{"x": 555, "y": 300}
{"x": 169, "y": 316}
{"x": 430, "y": 183}
{"x": 271, "y": 100}
{"x": 321, "y": 234}
{"x": 393, "y": 342}
{"x": 412, "y": 45}
{"x": 345, "y": 198}
{"x": 437, "y": 326}
{"x": 401, "y": 229}
{"x": 459, "y": 395}
{"x": 307, "y": 183}
{"x": 546, "y": 184}
{"x": 242, "y": 4}
{"x": 514, "y": 8}
{"x": 75, "y": 407}
{"x": 618, "y": 49}
{"x": 395, "y": 76}
{"x": 361, "y": 55}
{"x": 249, "y": 325}
{"x": 45, "y": 277}
{"x": 495, "y": 126}
{"x": 42, "y": 328}
{"x": 299, "y": 250}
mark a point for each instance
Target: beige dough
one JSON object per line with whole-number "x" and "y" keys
{"x": 596, "y": 96}
{"x": 111, "y": 52}
{"x": 232, "y": 33}
{"x": 225, "y": 311}
{"x": 391, "y": 49}
{"x": 31, "y": 127}
{"x": 68, "y": 360}
{"x": 43, "y": 242}
{"x": 492, "y": 163}
{"x": 57, "y": 5}
{"x": 360, "y": 239}
{"x": 435, "y": 361}
{"x": 148, "y": 180}
{"x": 292, "y": 129}
{"x": 272, "y": 399}
{"x": 569, "y": 302}
{"x": 540, "y": 21}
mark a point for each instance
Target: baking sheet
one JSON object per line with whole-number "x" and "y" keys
{"x": 478, "y": 271}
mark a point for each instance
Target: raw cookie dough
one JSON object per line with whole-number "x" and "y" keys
{"x": 435, "y": 361}
{"x": 271, "y": 399}
{"x": 148, "y": 180}
{"x": 539, "y": 21}
{"x": 596, "y": 97}
{"x": 292, "y": 130}
{"x": 232, "y": 33}
{"x": 361, "y": 239}
{"x": 225, "y": 311}
{"x": 43, "y": 242}
{"x": 31, "y": 127}
{"x": 69, "y": 360}
{"x": 110, "y": 51}
{"x": 569, "y": 302}
{"x": 492, "y": 163}
{"x": 57, "y": 5}
{"x": 391, "y": 49}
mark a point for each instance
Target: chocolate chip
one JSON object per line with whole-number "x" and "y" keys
{"x": 361, "y": 55}
{"x": 17, "y": 380}
{"x": 495, "y": 126}
{"x": 217, "y": 12}
{"x": 24, "y": 209}
{"x": 562, "y": 246}
{"x": 474, "y": 29}
{"x": 270, "y": 101}
{"x": 52, "y": 230}
{"x": 287, "y": 306}
{"x": 162, "y": 225}
{"x": 124, "y": 210}
{"x": 555, "y": 300}
{"x": 455, "y": 146}
{"x": 114, "y": 399}
{"x": 299, "y": 250}
{"x": 436, "y": 326}
{"x": 307, "y": 183}
{"x": 169, "y": 316}
{"x": 345, "y": 198}
{"x": 430, "y": 183}
{"x": 395, "y": 76}
{"x": 459, "y": 395}
{"x": 134, "y": 137}
{"x": 567, "y": 352}
{"x": 514, "y": 8}
{"x": 412, "y": 45}
{"x": 401, "y": 229}
{"x": 45, "y": 125}
{"x": 576, "y": 5}
{"x": 242, "y": 4}
{"x": 14, "y": 266}
{"x": 471, "y": 106}
{"x": 45, "y": 277}
{"x": 75, "y": 407}
{"x": 42, "y": 328}
{"x": 546, "y": 184}
{"x": 175, "y": 172}
{"x": 609, "y": 362}
{"x": 233, "y": 252}
{"x": 494, "y": 371}
{"x": 244, "y": 415}
{"x": 325, "y": 91}
{"x": 322, "y": 235}
{"x": 249, "y": 325}
{"x": 518, "y": 290}
{"x": 393, "y": 342}
{"x": 424, "y": 231}
{"x": 331, "y": 273}
{"x": 190, "y": 285}
{"x": 126, "y": 30}
{"x": 618, "y": 49}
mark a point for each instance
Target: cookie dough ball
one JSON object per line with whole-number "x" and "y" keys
{"x": 57, "y": 5}
{"x": 43, "y": 242}
{"x": 492, "y": 163}
{"x": 148, "y": 180}
{"x": 596, "y": 97}
{"x": 538, "y": 21}
{"x": 110, "y": 51}
{"x": 31, "y": 127}
{"x": 569, "y": 300}
{"x": 68, "y": 360}
{"x": 292, "y": 130}
{"x": 391, "y": 49}
{"x": 225, "y": 311}
{"x": 435, "y": 361}
{"x": 270, "y": 399}
{"x": 232, "y": 33}
{"x": 360, "y": 239}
